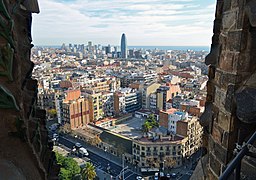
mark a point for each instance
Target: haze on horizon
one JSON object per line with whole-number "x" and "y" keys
{"x": 145, "y": 22}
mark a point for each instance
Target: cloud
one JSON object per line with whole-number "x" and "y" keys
{"x": 145, "y": 22}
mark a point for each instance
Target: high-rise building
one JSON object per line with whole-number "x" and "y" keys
{"x": 123, "y": 46}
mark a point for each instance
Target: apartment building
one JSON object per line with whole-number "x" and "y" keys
{"x": 76, "y": 112}
{"x": 95, "y": 105}
{"x": 127, "y": 100}
{"x": 147, "y": 91}
{"x": 192, "y": 129}
{"x": 151, "y": 153}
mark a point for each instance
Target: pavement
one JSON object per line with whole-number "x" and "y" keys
{"x": 102, "y": 160}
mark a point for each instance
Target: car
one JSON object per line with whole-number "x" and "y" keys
{"x": 156, "y": 176}
{"x": 173, "y": 175}
{"x": 168, "y": 175}
{"x": 83, "y": 151}
{"x": 78, "y": 145}
{"x": 139, "y": 178}
{"x": 55, "y": 135}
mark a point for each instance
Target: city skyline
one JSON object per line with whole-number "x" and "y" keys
{"x": 147, "y": 23}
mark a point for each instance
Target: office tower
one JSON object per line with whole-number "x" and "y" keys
{"x": 89, "y": 46}
{"x": 123, "y": 46}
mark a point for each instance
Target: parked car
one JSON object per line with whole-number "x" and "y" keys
{"x": 173, "y": 175}
{"x": 168, "y": 175}
{"x": 156, "y": 176}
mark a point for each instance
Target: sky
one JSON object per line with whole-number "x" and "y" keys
{"x": 145, "y": 22}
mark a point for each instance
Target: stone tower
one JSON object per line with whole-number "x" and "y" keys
{"x": 230, "y": 114}
{"x": 24, "y": 149}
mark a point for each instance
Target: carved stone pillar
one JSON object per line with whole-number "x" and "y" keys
{"x": 24, "y": 148}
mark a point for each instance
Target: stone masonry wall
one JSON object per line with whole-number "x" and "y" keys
{"x": 230, "y": 114}
{"x": 24, "y": 149}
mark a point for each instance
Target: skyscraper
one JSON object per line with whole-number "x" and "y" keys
{"x": 124, "y": 46}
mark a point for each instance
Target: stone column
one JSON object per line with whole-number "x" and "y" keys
{"x": 231, "y": 63}
{"x": 24, "y": 148}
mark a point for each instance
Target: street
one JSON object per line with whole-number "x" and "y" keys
{"x": 99, "y": 161}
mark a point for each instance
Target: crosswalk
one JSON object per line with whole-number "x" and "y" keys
{"x": 128, "y": 175}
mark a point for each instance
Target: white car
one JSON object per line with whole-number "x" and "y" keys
{"x": 139, "y": 178}
{"x": 156, "y": 176}
{"x": 83, "y": 151}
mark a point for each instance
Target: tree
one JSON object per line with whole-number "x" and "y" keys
{"x": 150, "y": 123}
{"x": 88, "y": 173}
{"x": 52, "y": 112}
{"x": 146, "y": 126}
{"x": 169, "y": 162}
{"x": 69, "y": 167}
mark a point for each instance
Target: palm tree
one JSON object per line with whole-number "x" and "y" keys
{"x": 88, "y": 173}
{"x": 146, "y": 126}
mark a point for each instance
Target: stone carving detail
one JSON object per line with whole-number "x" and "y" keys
{"x": 31, "y": 6}
{"x": 212, "y": 58}
{"x": 250, "y": 10}
{"x": 6, "y": 61}
{"x": 6, "y": 52}
{"x": 23, "y": 129}
{"x": 206, "y": 117}
{"x": 7, "y": 100}
{"x": 6, "y": 29}
{"x": 246, "y": 101}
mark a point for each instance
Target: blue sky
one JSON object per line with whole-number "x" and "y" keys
{"x": 145, "y": 22}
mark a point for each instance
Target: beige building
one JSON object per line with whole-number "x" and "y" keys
{"x": 95, "y": 106}
{"x": 150, "y": 154}
{"x": 147, "y": 91}
{"x": 170, "y": 150}
{"x": 192, "y": 129}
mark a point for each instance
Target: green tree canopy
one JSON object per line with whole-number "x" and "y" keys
{"x": 52, "y": 112}
{"x": 150, "y": 123}
{"x": 69, "y": 167}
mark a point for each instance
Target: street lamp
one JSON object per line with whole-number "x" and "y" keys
{"x": 163, "y": 165}
{"x": 123, "y": 164}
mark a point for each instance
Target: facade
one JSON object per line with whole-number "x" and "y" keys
{"x": 108, "y": 104}
{"x": 59, "y": 98}
{"x": 152, "y": 154}
{"x": 192, "y": 129}
{"x": 161, "y": 96}
{"x": 45, "y": 100}
{"x": 123, "y": 46}
{"x": 173, "y": 150}
{"x": 76, "y": 112}
{"x": 127, "y": 100}
{"x": 146, "y": 92}
{"x": 95, "y": 106}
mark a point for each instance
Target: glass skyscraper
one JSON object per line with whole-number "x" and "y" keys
{"x": 123, "y": 46}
